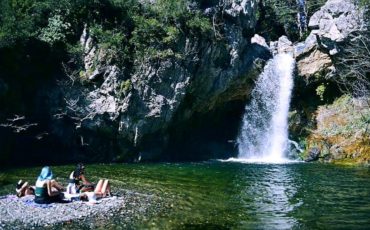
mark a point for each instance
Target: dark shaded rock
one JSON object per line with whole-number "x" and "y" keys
{"x": 313, "y": 154}
{"x": 188, "y": 97}
{"x": 146, "y": 111}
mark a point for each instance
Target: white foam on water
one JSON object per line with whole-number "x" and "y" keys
{"x": 261, "y": 161}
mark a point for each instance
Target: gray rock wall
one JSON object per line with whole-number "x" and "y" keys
{"x": 331, "y": 26}
{"x": 139, "y": 110}
{"x": 317, "y": 58}
{"x": 183, "y": 105}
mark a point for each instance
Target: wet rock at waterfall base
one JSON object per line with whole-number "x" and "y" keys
{"x": 313, "y": 154}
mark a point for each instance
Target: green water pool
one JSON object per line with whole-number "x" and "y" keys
{"x": 227, "y": 195}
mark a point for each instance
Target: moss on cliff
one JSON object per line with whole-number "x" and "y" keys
{"x": 342, "y": 132}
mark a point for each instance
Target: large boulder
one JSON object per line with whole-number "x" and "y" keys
{"x": 335, "y": 21}
{"x": 316, "y": 62}
{"x": 331, "y": 26}
{"x": 282, "y": 45}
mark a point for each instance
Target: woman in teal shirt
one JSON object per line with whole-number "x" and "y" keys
{"x": 47, "y": 190}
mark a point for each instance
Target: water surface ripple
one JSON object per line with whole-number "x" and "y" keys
{"x": 232, "y": 195}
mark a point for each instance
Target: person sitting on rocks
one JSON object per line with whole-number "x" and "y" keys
{"x": 76, "y": 177}
{"x": 24, "y": 189}
{"x": 102, "y": 189}
{"x": 47, "y": 190}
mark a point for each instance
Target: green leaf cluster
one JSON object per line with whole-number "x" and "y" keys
{"x": 365, "y": 3}
{"x": 320, "y": 91}
{"x": 158, "y": 26}
{"x": 125, "y": 87}
{"x": 279, "y": 17}
{"x": 56, "y": 30}
{"x": 125, "y": 29}
{"x": 17, "y": 20}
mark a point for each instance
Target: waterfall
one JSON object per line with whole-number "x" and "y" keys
{"x": 296, "y": 146}
{"x": 264, "y": 134}
{"x": 302, "y": 16}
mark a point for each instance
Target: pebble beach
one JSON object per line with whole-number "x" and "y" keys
{"x": 23, "y": 213}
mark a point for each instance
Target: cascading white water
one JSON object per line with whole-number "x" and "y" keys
{"x": 264, "y": 134}
{"x": 302, "y": 16}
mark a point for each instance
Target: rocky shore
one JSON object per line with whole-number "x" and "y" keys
{"x": 125, "y": 207}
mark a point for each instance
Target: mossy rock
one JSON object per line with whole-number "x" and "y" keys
{"x": 342, "y": 131}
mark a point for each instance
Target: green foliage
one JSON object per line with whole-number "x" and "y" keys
{"x": 348, "y": 117}
{"x": 278, "y": 17}
{"x": 16, "y": 20}
{"x": 158, "y": 27}
{"x": 320, "y": 91}
{"x": 365, "y": 3}
{"x": 170, "y": 10}
{"x": 75, "y": 53}
{"x": 124, "y": 30}
{"x": 56, "y": 31}
{"x": 313, "y": 6}
{"x": 147, "y": 32}
{"x": 84, "y": 77}
{"x": 172, "y": 34}
{"x": 125, "y": 87}
{"x": 113, "y": 41}
{"x": 199, "y": 24}
{"x": 282, "y": 13}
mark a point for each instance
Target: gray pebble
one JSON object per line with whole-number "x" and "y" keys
{"x": 124, "y": 209}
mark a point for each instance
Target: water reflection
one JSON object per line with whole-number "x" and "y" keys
{"x": 273, "y": 197}
{"x": 230, "y": 195}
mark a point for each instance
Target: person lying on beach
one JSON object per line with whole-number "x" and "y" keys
{"x": 47, "y": 190}
{"x": 24, "y": 189}
{"x": 78, "y": 176}
{"x": 102, "y": 190}
{"x": 85, "y": 191}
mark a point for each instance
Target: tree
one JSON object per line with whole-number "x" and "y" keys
{"x": 353, "y": 65}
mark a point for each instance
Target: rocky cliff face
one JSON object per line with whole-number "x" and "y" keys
{"x": 342, "y": 133}
{"x": 331, "y": 26}
{"x": 164, "y": 106}
{"x": 338, "y": 127}
{"x": 183, "y": 105}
